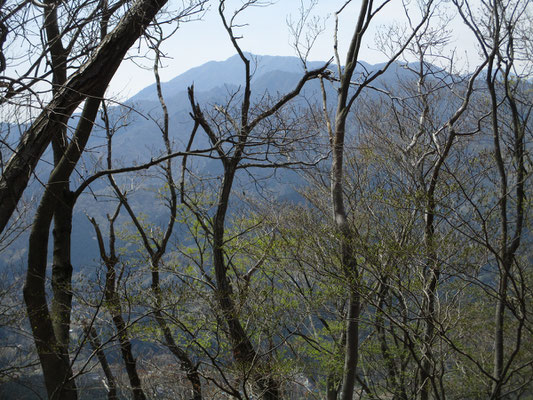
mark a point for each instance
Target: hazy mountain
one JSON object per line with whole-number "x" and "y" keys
{"x": 139, "y": 140}
{"x": 214, "y": 82}
{"x": 216, "y": 74}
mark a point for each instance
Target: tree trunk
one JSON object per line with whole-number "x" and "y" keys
{"x": 62, "y": 271}
{"x": 186, "y": 364}
{"x": 348, "y": 262}
{"x": 52, "y": 352}
{"x": 90, "y": 331}
{"x": 243, "y": 349}
{"x": 113, "y": 305}
{"x": 332, "y": 390}
{"x": 499, "y": 321}
{"x": 352, "y": 345}
{"x": 127, "y": 354}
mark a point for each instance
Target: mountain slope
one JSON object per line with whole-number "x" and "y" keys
{"x": 139, "y": 139}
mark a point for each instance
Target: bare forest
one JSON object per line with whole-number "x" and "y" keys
{"x": 334, "y": 230}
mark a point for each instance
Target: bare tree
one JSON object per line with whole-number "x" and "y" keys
{"x": 51, "y": 327}
{"x": 501, "y": 43}
{"x": 154, "y": 244}
{"x": 337, "y": 133}
{"x": 235, "y": 141}
{"x": 113, "y": 302}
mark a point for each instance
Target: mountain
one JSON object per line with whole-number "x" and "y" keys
{"x": 138, "y": 140}
{"x": 217, "y": 74}
{"x": 272, "y": 72}
{"x": 214, "y": 82}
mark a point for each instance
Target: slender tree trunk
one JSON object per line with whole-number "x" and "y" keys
{"x": 348, "y": 262}
{"x": 90, "y": 331}
{"x": 243, "y": 349}
{"x": 352, "y": 345}
{"x": 127, "y": 354}
{"x": 431, "y": 274}
{"x": 186, "y": 364}
{"x": 113, "y": 305}
{"x": 394, "y": 376}
{"x": 340, "y": 217}
{"x": 427, "y": 362}
{"x": 499, "y": 321}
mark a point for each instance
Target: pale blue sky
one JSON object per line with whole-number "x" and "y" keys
{"x": 267, "y": 33}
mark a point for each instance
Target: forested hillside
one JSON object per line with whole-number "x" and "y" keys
{"x": 267, "y": 227}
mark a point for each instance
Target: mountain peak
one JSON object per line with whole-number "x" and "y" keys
{"x": 228, "y": 72}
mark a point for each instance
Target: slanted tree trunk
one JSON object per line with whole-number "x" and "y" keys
{"x": 51, "y": 327}
{"x": 51, "y": 349}
{"x": 92, "y": 336}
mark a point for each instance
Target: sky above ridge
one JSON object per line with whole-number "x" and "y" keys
{"x": 266, "y": 32}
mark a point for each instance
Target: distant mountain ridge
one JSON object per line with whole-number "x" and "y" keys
{"x": 213, "y": 83}
{"x": 214, "y": 74}
{"x": 139, "y": 140}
